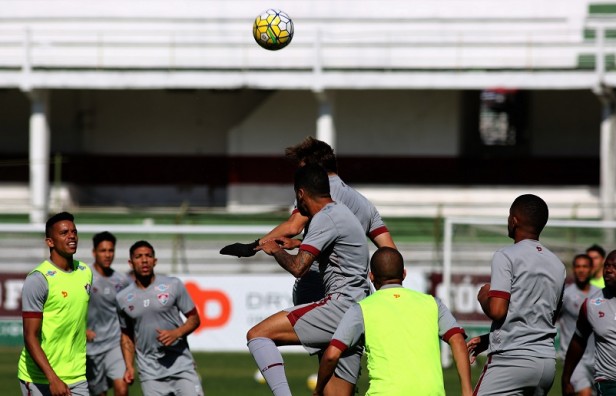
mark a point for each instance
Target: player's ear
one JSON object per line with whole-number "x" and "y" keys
{"x": 371, "y": 276}
{"x": 49, "y": 242}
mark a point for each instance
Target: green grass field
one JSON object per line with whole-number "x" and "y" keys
{"x": 231, "y": 374}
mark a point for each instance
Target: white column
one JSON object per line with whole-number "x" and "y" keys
{"x": 608, "y": 165}
{"x": 325, "y": 119}
{"x": 39, "y": 156}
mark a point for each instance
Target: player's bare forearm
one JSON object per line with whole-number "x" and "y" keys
{"x": 576, "y": 349}
{"x": 31, "y": 331}
{"x": 327, "y": 366}
{"x": 460, "y": 356}
{"x": 290, "y": 228}
{"x": 168, "y": 337}
{"x": 127, "y": 343}
{"x": 296, "y": 265}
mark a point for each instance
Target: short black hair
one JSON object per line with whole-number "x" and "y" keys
{"x": 58, "y": 217}
{"x": 139, "y": 244}
{"x": 387, "y": 264}
{"x": 596, "y": 248}
{"x": 312, "y": 178}
{"x": 103, "y": 236}
{"x": 533, "y": 209}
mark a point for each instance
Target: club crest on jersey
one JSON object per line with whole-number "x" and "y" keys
{"x": 162, "y": 287}
{"x": 130, "y": 297}
{"x": 87, "y": 287}
{"x": 163, "y": 298}
{"x": 130, "y": 307}
{"x": 539, "y": 248}
{"x": 50, "y": 273}
{"x": 596, "y": 301}
{"x": 601, "y": 314}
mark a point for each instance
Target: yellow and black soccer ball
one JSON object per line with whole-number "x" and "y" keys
{"x": 273, "y": 29}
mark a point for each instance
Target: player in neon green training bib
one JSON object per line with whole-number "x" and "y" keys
{"x": 55, "y": 300}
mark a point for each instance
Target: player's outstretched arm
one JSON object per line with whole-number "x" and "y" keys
{"x": 32, "y": 330}
{"x": 460, "y": 356}
{"x": 168, "y": 337}
{"x": 328, "y": 364}
{"x": 289, "y": 228}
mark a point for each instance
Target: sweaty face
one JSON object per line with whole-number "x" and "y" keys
{"x": 63, "y": 238}
{"x": 104, "y": 254}
{"x": 143, "y": 261}
{"x": 582, "y": 269}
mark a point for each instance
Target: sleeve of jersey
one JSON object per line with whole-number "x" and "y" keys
{"x": 33, "y": 295}
{"x": 500, "y": 281}
{"x": 377, "y": 225}
{"x": 321, "y": 233}
{"x": 583, "y": 328}
{"x": 183, "y": 300}
{"x": 350, "y": 329}
{"x": 447, "y": 324}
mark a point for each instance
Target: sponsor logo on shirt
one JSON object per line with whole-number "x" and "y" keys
{"x": 596, "y": 301}
{"x": 163, "y": 298}
{"x": 50, "y": 273}
{"x": 87, "y": 287}
{"x": 81, "y": 267}
{"x": 162, "y": 287}
{"x": 64, "y": 294}
{"x": 130, "y": 297}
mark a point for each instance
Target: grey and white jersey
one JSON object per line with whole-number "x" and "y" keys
{"x": 351, "y": 328}
{"x": 598, "y": 316}
{"x": 102, "y": 312}
{"x": 337, "y": 240}
{"x": 573, "y": 298}
{"x": 155, "y": 308}
{"x": 532, "y": 278}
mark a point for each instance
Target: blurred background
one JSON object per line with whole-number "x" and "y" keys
{"x": 164, "y": 120}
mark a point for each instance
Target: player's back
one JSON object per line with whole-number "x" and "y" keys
{"x": 361, "y": 207}
{"x": 344, "y": 260}
{"x": 537, "y": 279}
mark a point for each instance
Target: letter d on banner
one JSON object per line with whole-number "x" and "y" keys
{"x": 202, "y": 299}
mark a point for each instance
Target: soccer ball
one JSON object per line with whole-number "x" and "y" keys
{"x": 311, "y": 381}
{"x": 259, "y": 377}
{"x": 273, "y": 29}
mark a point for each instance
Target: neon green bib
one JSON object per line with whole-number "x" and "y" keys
{"x": 402, "y": 343}
{"x": 63, "y": 329}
